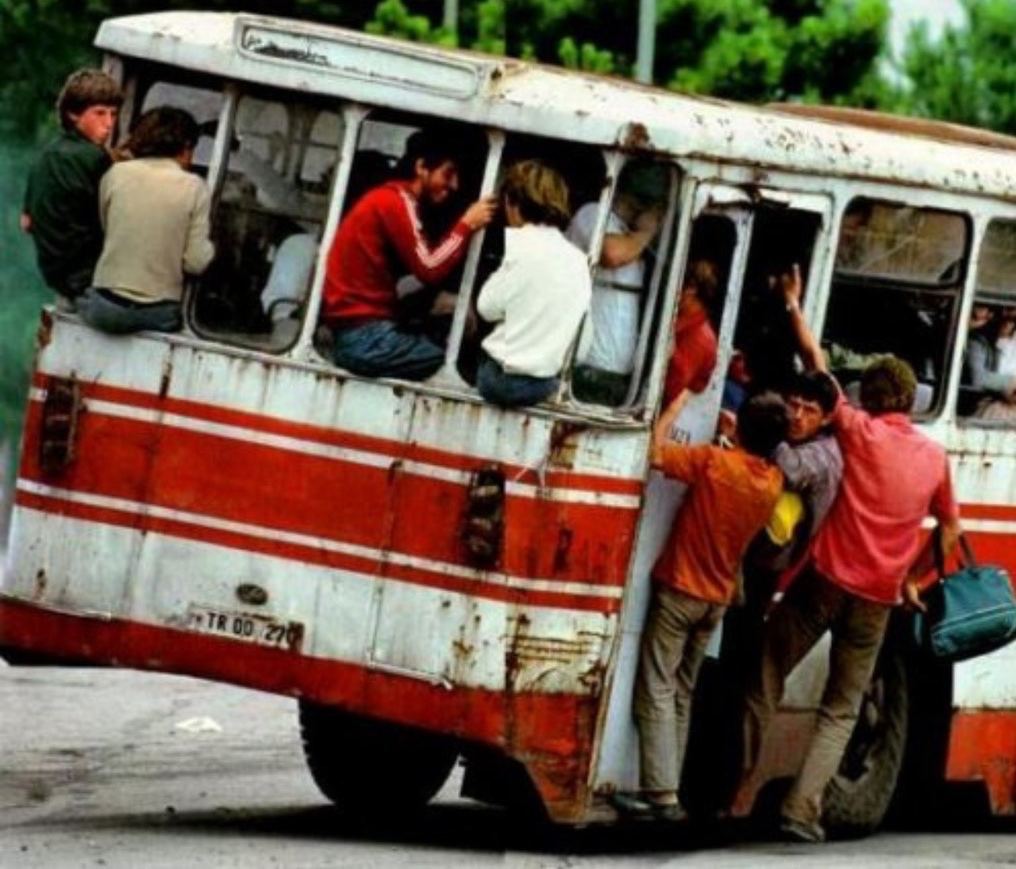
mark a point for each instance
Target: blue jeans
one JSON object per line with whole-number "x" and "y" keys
{"x": 511, "y": 390}
{"x": 380, "y": 349}
{"x": 107, "y": 312}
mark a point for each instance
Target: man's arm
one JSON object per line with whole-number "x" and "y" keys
{"x": 431, "y": 264}
{"x": 664, "y": 425}
{"x": 808, "y": 346}
{"x": 621, "y": 248}
{"x": 946, "y": 512}
{"x": 199, "y": 250}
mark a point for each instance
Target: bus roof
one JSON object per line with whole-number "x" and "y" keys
{"x": 549, "y": 101}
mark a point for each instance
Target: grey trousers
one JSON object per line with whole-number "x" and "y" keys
{"x": 673, "y": 647}
{"x": 121, "y": 317}
{"x": 812, "y": 606}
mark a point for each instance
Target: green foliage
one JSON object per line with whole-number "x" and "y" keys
{"x": 968, "y": 75}
{"x": 586, "y": 57}
{"x": 392, "y": 18}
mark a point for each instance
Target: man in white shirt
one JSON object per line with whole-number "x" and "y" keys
{"x": 603, "y": 373}
{"x": 539, "y": 295}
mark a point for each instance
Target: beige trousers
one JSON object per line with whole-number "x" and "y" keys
{"x": 673, "y": 647}
{"x": 812, "y": 606}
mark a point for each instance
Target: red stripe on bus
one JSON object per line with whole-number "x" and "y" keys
{"x": 337, "y": 437}
{"x": 376, "y": 568}
{"x": 551, "y": 733}
{"x": 328, "y": 498}
{"x": 1005, "y": 512}
{"x": 982, "y": 747}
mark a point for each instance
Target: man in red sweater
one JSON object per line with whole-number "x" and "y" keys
{"x": 380, "y": 241}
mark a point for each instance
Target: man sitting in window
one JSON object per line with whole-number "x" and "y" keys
{"x": 155, "y": 213}
{"x": 381, "y": 240}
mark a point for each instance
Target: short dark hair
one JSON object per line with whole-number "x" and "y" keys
{"x": 814, "y": 386}
{"x": 163, "y": 132}
{"x": 433, "y": 145}
{"x": 762, "y": 423}
{"x": 888, "y": 385}
{"x": 539, "y": 193}
{"x": 83, "y": 89}
{"x": 702, "y": 274}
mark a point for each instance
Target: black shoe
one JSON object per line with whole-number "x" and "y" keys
{"x": 798, "y": 831}
{"x": 639, "y": 809}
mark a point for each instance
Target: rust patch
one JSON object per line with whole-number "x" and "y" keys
{"x": 482, "y": 526}
{"x": 635, "y": 136}
{"x": 167, "y": 376}
{"x": 563, "y": 549}
{"x": 44, "y": 333}
{"x": 563, "y": 444}
{"x": 41, "y": 581}
{"x": 60, "y": 412}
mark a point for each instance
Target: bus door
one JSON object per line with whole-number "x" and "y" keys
{"x": 741, "y": 232}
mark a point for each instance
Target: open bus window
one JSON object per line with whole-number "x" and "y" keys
{"x": 781, "y": 238}
{"x": 204, "y": 104}
{"x": 896, "y": 289}
{"x": 381, "y": 144}
{"x": 626, "y": 282}
{"x": 987, "y": 393}
{"x": 268, "y": 222}
{"x": 584, "y": 172}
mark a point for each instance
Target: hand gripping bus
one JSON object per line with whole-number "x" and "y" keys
{"x": 432, "y": 576}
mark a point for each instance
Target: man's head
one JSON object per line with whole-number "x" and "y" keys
{"x": 888, "y": 385}
{"x": 536, "y": 193}
{"x": 811, "y": 397}
{"x": 762, "y": 423}
{"x": 701, "y": 281}
{"x": 89, "y": 103}
{"x": 431, "y": 164}
{"x": 165, "y": 132}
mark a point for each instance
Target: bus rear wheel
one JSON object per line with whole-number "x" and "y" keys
{"x": 859, "y": 796}
{"x": 366, "y": 765}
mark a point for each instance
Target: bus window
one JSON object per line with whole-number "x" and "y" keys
{"x": 781, "y": 238}
{"x": 205, "y": 104}
{"x": 988, "y": 384}
{"x": 626, "y": 282}
{"x": 584, "y": 171}
{"x": 268, "y": 221}
{"x": 896, "y": 289}
{"x": 381, "y": 143}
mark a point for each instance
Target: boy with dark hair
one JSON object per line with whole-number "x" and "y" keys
{"x": 379, "y": 241}
{"x": 60, "y": 209}
{"x": 156, "y": 216}
{"x": 730, "y": 497}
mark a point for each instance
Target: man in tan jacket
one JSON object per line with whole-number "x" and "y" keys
{"x": 156, "y": 218}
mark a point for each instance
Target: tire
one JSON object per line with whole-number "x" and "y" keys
{"x": 365, "y": 765}
{"x": 858, "y": 797}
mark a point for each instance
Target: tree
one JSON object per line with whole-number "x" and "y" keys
{"x": 967, "y": 75}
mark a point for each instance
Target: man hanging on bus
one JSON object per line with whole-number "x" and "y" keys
{"x": 380, "y": 240}
{"x": 731, "y": 495}
{"x": 61, "y": 206}
{"x": 865, "y": 559}
{"x": 156, "y": 216}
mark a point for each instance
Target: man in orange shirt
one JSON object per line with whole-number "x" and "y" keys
{"x": 730, "y": 498}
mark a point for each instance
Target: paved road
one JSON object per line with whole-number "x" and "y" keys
{"x": 124, "y": 769}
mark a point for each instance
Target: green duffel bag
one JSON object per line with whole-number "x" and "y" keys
{"x": 970, "y": 612}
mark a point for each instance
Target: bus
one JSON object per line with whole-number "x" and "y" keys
{"x": 436, "y": 579}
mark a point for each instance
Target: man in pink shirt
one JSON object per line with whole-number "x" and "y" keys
{"x": 866, "y": 559}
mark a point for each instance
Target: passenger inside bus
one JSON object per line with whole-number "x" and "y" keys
{"x": 896, "y": 289}
{"x": 988, "y": 384}
{"x": 155, "y": 214}
{"x": 694, "y": 357}
{"x": 380, "y": 240}
{"x": 603, "y": 372}
{"x": 538, "y": 297}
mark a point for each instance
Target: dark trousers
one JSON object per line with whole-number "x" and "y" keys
{"x": 511, "y": 390}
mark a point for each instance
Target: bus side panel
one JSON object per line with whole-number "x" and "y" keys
{"x": 982, "y": 735}
{"x": 301, "y": 533}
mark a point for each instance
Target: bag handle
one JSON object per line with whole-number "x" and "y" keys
{"x": 966, "y": 549}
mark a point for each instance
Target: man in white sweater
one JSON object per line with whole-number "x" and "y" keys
{"x": 155, "y": 214}
{"x": 539, "y": 295}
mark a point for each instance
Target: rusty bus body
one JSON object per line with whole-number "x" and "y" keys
{"x": 226, "y": 503}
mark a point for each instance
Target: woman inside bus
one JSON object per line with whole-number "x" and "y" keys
{"x": 989, "y": 363}
{"x": 538, "y": 296}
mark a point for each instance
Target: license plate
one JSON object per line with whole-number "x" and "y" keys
{"x": 248, "y": 627}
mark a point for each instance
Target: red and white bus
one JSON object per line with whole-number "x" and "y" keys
{"x": 435, "y": 577}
